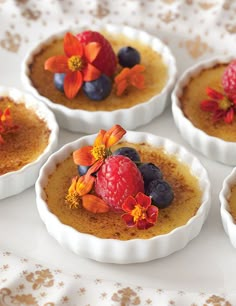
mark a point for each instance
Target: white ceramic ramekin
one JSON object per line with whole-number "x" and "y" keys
{"x": 135, "y": 250}
{"x": 90, "y": 122}
{"x": 226, "y": 217}
{"x": 15, "y": 182}
{"x": 212, "y": 147}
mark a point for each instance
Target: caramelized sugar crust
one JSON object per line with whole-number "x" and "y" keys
{"x": 194, "y": 93}
{"x": 155, "y": 78}
{"x": 27, "y": 143}
{"x": 232, "y": 202}
{"x": 186, "y": 202}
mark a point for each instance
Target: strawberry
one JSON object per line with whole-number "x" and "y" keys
{"x": 229, "y": 80}
{"x": 106, "y": 60}
{"x": 118, "y": 178}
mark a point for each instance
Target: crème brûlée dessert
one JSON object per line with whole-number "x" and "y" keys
{"x": 109, "y": 72}
{"x": 208, "y": 100}
{"x": 122, "y": 190}
{"x": 232, "y": 202}
{"x": 23, "y": 135}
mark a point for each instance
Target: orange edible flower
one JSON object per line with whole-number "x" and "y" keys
{"x": 78, "y": 195}
{"x": 130, "y": 77}
{"x": 6, "y": 123}
{"x": 76, "y": 64}
{"x": 96, "y": 154}
{"x": 139, "y": 211}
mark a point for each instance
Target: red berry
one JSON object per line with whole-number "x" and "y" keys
{"x": 106, "y": 60}
{"x": 118, "y": 178}
{"x": 229, "y": 80}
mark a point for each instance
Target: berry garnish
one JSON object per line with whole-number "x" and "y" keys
{"x": 129, "y": 152}
{"x": 117, "y": 179}
{"x": 82, "y": 170}
{"x": 59, "y": 81}
{"x": 149, "y": 173}
{"x": 160, "y": 192}
{"x": 128, "y": 57}
{"x": 106, "y": 60}
{"x": 229, "y": 80}
{"x": 98, "y": 89}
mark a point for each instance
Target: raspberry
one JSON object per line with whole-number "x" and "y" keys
{"x": 106, "y": 60}
{"x": 229, "y": 80}
{"x": 118, "y": 178}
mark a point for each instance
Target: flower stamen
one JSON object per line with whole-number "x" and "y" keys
{"x": 138, "y": 213}
{"x": 99, "y": 152}
{"x": 75, "y": 63}
{"x": 224, "y": 104}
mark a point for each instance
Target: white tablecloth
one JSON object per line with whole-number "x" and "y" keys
{"x": 34, "y": 269}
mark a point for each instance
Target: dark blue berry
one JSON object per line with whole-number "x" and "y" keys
{"x": 129, "y": 152}
{"x": 98, "y": 89}
{"x": 82, "y": 169}
{"x": 149, "y": 173}
{"x": 160, "y": 192}
{"x": 128, "y": 57}
{"x": 59, "y": 81}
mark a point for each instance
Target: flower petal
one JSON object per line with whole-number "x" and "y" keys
{"x": 123, "y": 75}
{"x": 90, "y": 73}
{"x": 152, "y": 214}
{"x": 121, "y": 87}
{"x": 137, "y": 80}
{"x": 129, "y": 220}
{"x": 95, "y": 167}
{"x": 91, "y": 51}
{"x": 143, "y": 224}
{"x": 113, "y": 135}
{"x": 84, "y": 184}
{"x": 138, "y": 68}
{"x": 129, "y": 204}
{"x": 72, "y": 46}
{"x": 83, "y": 156}
{"x": 212, "y": 93}
{"x": 143, "y": 200}
{"x": 218, "y": 115}
{"x": 99, "y": 139}
{"x": 229, "y": 116}
{"x": 209, "y": 105}
{"x": 57, "y": 64}
{"x": 94, "y": 204}
{"x": 72, "y": 84}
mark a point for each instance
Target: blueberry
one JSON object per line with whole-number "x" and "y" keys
{"x": 160, "y": 192}
{"x": 82, "y": 169}
{"x": 98, "y": 89}
{"x": 129, "y": 152}
{"x": 59, "y": 81}
{"x": 149, "y": 172}
{"x": 128, "y": 57}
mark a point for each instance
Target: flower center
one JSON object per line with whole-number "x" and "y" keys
{"x": 99, "y": 152}
{"x": 138, "y": 213}
{"x": 75, "y": 63}
{"x": 73, "y": 200}
{"x": 224, "y": 104}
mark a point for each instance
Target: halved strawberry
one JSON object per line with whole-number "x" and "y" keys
{"x": 106, "y": 60}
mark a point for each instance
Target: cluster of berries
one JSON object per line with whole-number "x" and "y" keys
{"x": 106, "y": 62}
{"x": 123, "y": 174}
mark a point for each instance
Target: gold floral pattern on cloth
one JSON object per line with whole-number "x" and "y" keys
{"x": 25, "y": 282}
{"x": 11, "y": 41}
{"x": 37, "y": 20}
{"x": 196, "y": 47}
